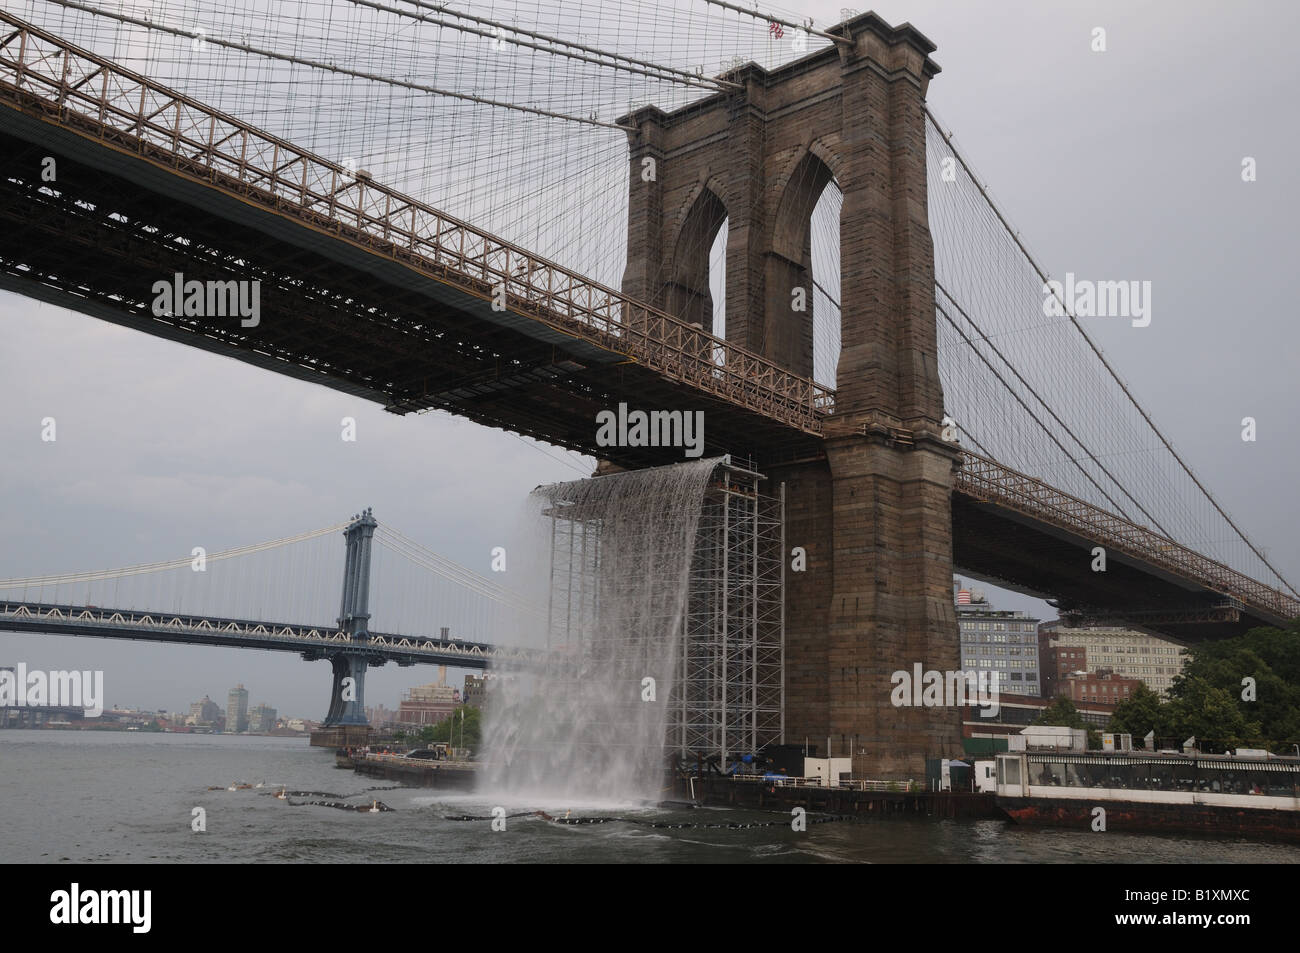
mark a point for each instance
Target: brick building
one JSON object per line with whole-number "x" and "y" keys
{"x": 475, "y": 690}
{"x": 1101, "y": 687}
{"x": 1058, "y": 662}
{"x": 428, "y": 704}
{"x": 1126, "y": 652}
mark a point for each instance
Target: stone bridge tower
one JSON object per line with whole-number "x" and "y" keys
{"x": 874, "y": 511}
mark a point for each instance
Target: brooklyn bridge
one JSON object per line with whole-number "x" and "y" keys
{"x": 786, "y": 242}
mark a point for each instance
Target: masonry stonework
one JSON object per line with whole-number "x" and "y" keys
{"x": 874, "y": 511}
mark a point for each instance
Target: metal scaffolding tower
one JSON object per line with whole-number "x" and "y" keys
{"x": 726, "y": 695}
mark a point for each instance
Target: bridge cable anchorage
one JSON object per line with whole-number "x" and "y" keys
{"x": 630, "y": 64}
{"x": 1014, "y": 235}
{"x": 1092, "y": 456}
{"x": 332, "y": 68}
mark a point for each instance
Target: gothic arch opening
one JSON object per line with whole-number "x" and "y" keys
{"x": 825, "y": 248}
{"x": 803, "y": 273}
{"x": 687, "y": 291}
{"x": 718, "y": 279}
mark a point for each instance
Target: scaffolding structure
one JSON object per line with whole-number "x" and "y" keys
{"x": 728, "y": 696}
{"x": 727, "y": 658}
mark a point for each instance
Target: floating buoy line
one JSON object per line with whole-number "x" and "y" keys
{"x": 330, "y": 794}
{"x": 279, "y": 789}
{"x": 374, "y": 807}
{"x": 337, "y": 801}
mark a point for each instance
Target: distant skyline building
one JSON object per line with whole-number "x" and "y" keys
{"x": 475, "y": 690}
{"x": 204, "y": 712}
{"x": 1059, "y": 662}
{"x": 1000, "y": 641}
{"x": 428, "y": 704}
{"x": 237, "y": 709}
{"x": 1126, "y": 652}
{"x": 380, "y": 715}
{"x": 262, "y": 719}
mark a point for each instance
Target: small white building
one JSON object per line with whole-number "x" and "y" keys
{"x": 986, "y": 776}
{"x": 827, "y": 771}
{"x": 1116, "y": 741}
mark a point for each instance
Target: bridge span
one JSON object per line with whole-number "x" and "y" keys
{"x": 311, "y": 642}
{"x": 398, "y": 309}
{"x": 276, "y": 570}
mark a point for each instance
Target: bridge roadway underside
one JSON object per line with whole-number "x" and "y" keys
{"x": 1036, "y": 558}
{"x": 112, "y": 224}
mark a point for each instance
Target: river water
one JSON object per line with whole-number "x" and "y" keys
{"x": 89, "y": 797}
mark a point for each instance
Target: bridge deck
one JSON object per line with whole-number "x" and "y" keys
{"x": 408, "y": 318}
{"x": 1035, "y": 538}
{"x": 310, "y": 641}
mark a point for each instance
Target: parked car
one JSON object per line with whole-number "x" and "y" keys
{"x": 427, "y": 754}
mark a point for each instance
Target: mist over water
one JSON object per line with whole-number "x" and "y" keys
{"x": 609, "y": 559}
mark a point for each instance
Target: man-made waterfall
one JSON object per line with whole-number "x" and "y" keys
{"x": 609, "y": 558}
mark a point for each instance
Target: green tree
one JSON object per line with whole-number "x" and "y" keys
{"x": 1259, "y": 672}
{"x": 1142, "y": 712}
{"x": 1212, "y": 715}
{"x": 1237, "y": 692}
{"x": 450, "y": 729}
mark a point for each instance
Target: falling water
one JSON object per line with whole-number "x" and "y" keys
{"x": 610, "y": 559}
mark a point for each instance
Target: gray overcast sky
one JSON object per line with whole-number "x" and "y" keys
{"x": 1122, "y": 164}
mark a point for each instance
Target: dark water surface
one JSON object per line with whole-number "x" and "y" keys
{"x": 128, "y": 797}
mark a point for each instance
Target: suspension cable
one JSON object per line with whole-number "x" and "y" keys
{"x": 1015, "y": 237}
{"x": 144, "y": 568}
{"x": 332, "y": 68}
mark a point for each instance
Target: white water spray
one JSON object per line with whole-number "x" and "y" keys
{"x": 610, "y": 559}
